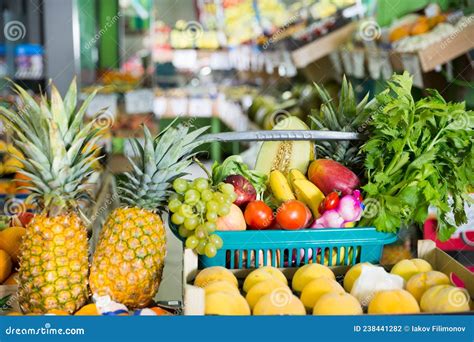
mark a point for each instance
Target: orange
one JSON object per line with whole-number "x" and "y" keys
{"x": 10, "y": 241}
{"x": 88, "y": 310}
{"x": 160, "y": 311}
{"x": 5, "y": 265}
{"x": 12, "y": 279}
{"x": 58, "y": 312}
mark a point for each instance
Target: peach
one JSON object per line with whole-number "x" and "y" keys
{"x": 215, "y": 273}
{"x": 336, "y": 303}
{"x": 419, "y": 283}
{"x": 254, "y": 278}
{"x": 227, "y": 304}
{"x": 318, "y": 287}
{"x": 309, "y": 272}
{"x": 221, "y": 286}
{"x": 445, "y": 298}
{"x": 261, "y": 289}
{"x": 279, "y": 302}
{"x": 409, "y": 267}
{"x": 393, "y": 302}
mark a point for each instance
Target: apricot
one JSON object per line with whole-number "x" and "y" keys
{"x": 215, "y": 273}
{"x": 393, "y": 302}
{"x": 353, "y": 274}
{"x": 226, "y": 304}
{"x": 419, "y": 283}
{"x": 445, "y": 298}
{"x": 409, "y": 267}
{"x": 335, "y": 303}
{"x": 309, "y": 272}
{"x": 318, "y": 287}
{"x": 279, "y": 302}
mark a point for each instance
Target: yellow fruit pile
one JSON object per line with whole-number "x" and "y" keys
{"x": 314, "y": 290}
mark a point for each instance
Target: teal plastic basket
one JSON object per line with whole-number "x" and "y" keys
{"x": 293, "y": 248}
{"x": 286, "y": 248}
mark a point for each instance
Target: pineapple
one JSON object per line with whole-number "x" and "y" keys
{"x": 347, "y": 116}
{"x": 54, "y": 254}
{"x": 128, "y": 261}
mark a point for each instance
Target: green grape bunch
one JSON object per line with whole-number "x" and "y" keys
{"x": 196, "y": 206}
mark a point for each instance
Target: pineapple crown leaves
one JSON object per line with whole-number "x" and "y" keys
{"x": 57, "y": 146}
{"x": 348, "y": 116}
{"x": 156, "y": 163}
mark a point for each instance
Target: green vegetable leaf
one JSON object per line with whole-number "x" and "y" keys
{"x": 420, "y": 153}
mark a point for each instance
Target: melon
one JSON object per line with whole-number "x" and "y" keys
{"x": 286, "y": 155}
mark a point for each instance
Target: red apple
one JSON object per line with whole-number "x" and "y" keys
{"x": 243, "y": 188}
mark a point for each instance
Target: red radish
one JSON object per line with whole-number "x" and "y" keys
{"x": 243, "y": 188}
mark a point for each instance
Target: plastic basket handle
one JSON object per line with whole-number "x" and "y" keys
{"x": 280, "y": 136}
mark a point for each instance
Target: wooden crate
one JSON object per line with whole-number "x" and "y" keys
{"x": 194, "y": 298}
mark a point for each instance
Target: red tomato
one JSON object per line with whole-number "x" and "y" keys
{"x": 258, "y": 215}
{"x": 330, "y": 202}
{"x": 293, "y": 215}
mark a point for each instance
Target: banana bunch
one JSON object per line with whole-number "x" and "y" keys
{"x": 8, "y": 162}
{"x": 296, "y": 186}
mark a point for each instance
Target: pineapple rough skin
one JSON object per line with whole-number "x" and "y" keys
{"x": 129, "y": 258}
{"x": 54, "y": 265}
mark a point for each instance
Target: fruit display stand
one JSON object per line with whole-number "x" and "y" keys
{"x": 194, "y": 297}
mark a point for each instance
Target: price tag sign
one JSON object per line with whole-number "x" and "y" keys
{"x": 139, "y": 101}
{"x": 200, "y": 107}
{"x": 101, "y": 101}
